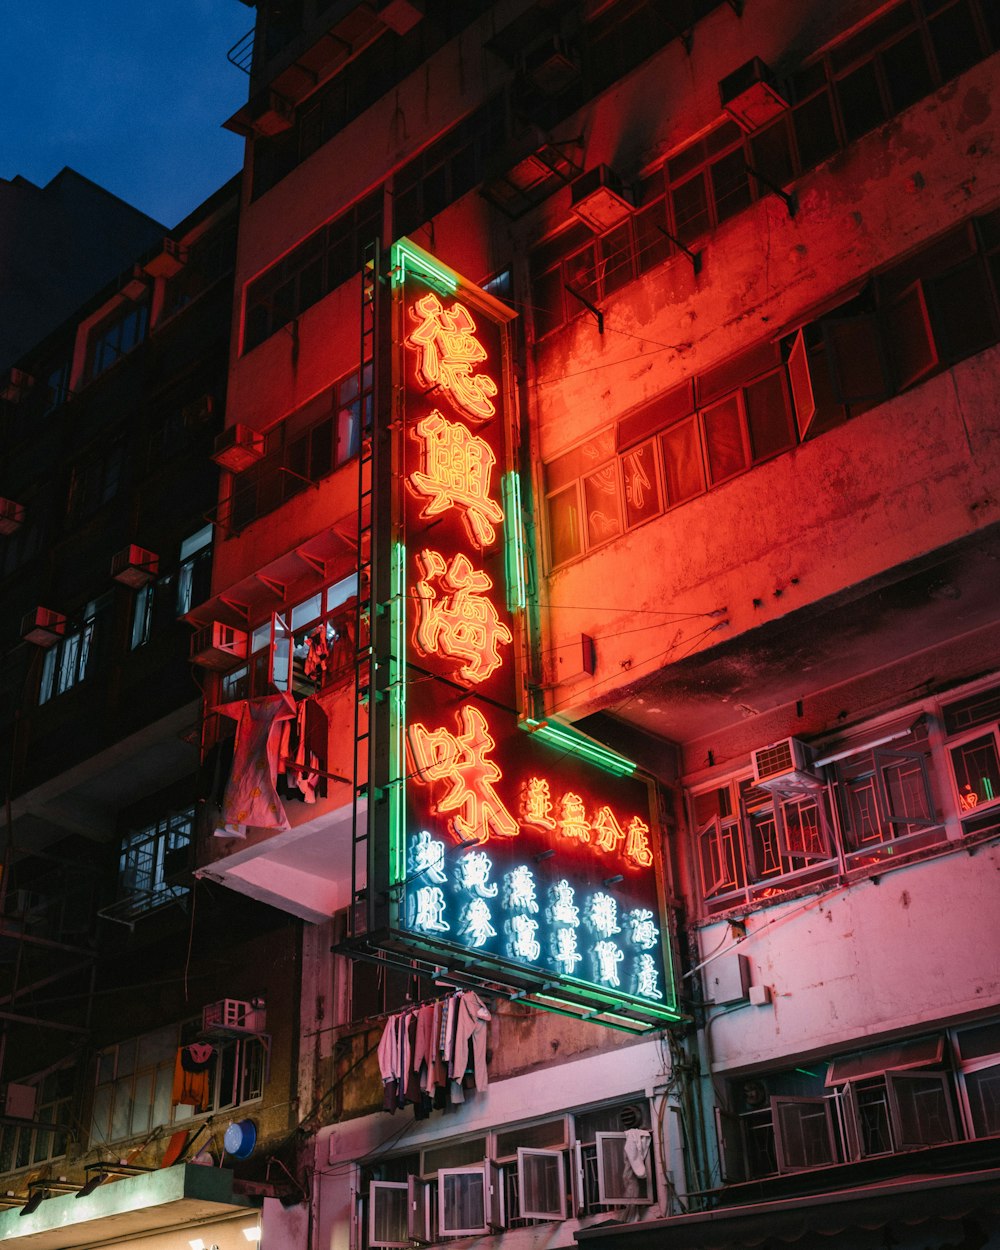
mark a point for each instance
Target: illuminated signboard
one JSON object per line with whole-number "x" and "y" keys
{"x": 518, "y": 851}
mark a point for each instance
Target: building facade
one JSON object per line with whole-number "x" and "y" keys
{"x": 621, "y": 375}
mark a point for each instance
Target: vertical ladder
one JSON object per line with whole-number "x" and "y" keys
{"x": 364, "y": 654}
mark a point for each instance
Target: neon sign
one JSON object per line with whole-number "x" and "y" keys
{"x": 532, "y": 850}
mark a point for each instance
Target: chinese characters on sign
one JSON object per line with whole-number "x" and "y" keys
{"x": 511, "y": 849}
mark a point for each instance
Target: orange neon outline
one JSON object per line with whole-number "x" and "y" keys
{"x": 461, "y": 624}
{"x": 455, "y": 473}
{"x": 573, "y": 822}
{"x": 637, "y": 847}
{"x": 536, "y": 804}
{"x": 441, "y": 759}
{"x": 448, "y": 349}
{"x": 609, "y": 831}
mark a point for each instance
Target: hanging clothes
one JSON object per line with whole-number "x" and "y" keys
{"x": 473, "y": 1017}
{"x": 303, "y": 751}
{"x": 191, "y": 1076}
{"x": 251, "y": 797}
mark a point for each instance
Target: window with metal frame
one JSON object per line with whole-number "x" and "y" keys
{"x": 149, "y": 857}
{"x": 73, "y": 658}
{"x": 973, "y": 750}
{"x": 32, "y": 1143}
{"x": 116, "y": 337}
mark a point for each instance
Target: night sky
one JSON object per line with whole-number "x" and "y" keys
{"x": 130, "y": 93}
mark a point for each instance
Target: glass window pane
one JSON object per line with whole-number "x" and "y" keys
{"x": 142, "y": 1104}
{"x": 815, "y": 133}
{"x": 601, "y": 501}
{"x": 162, "y": 1092}
{"x": 564, "y": 525}
{"x": 690, "y": 208}
{"x": 682, "y": 466}
{"x": 581, "y": 277}
{"x": 861, "y": 107}
{"x": 907, "y": 73}
{"x": 730, "y": 185}
{"x": 305, "y": 613}
{"x": 771, "y": 155}
{"x": 616, "y": 258}
{"x": 955, "y": 40}
{"x": 769, "y": 416}
{"x": 983, "y": 1091}
{"x": 158, "y": 1047}
{"x": 724, "y": 441}
{"x": 642, "y": 489}
{"x": 977, "y": 771}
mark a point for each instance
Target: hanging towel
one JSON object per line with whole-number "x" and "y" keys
{"x": 250, "y": 797}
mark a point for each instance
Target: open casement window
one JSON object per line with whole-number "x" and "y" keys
{"x": 420, "y": 1211}
{"x": 721, "y": 854}
{"x": 803, "y": 1133}
{"x": 617, "y": 1184}
{"x": 977, "y": 1051}
{"x": 732, "y": 1157}
{"x": 804, "y": 830}
{"x": 801, "y": 384}
{"x": 884, "y": 795}
{"x": 975, "y": 764}
{"x": 921, "y": 1109}
{"x": 470, "y": 1200}
{"x": 388, "y": 1210}
{"x": 909, "y": 336}
{"x": 858, "y": 368}
{"x": 541, "y": 1178}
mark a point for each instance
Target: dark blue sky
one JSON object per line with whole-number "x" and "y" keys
{"x": 130, "y": 93}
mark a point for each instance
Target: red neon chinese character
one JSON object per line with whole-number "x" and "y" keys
{"x": 609, "y": 831}
{"x": 536, "y": 804}
{"x": 456, "y": 619}
{"x": 637, "y": 847}
{"x": 448, "y": 350}
{"x": 455, "y": 473}
{"x": 573, "y": 822}
{"x": 460, "y": 763}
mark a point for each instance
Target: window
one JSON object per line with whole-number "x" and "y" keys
{"x": 511, "y": 1177}
{"x": 318, "y": 265}
{"x": 301, "y": 648}
{"x": 302, "y": 450}
{"x": 68, "y": 662}
{"x": 194, "y": 575}
{"x": 134, "y": 1081}
{"x": 26, "y": 1145}
{"x": 117, "y": 337}
{"x": 151, "y": 856}
{"x": 973, "y": 726}
{"x": 884, "y": 796}
{"x": 95, "y": 480}
{"x": 696, "y": 436}
{"x": 872, "y": 1104}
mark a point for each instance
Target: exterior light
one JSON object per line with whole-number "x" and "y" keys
{"x": 252, "y": 1233}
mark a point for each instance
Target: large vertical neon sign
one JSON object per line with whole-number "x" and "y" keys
{"x": 529, "y": 856}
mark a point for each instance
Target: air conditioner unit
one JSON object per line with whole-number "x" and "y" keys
{"x": 170, "y": 261}
{"x": 235, "y": 1015}
{"x": 237, "y": 448}
{"x": 785, "y": 768}
{"x": 551, "y": 65}
{"x": 750, "y": 97}
{"x": 19, "y": 1101}
{"x": 43, "y": 627}
{"x": 219, "y": 647}
{"x": 400, "y": 15}
{"x": 198, "y": 411}
{"x": 134, "y": 566}
{"x": 11, "y": 516}
{"x": 600, "y": 200}
{"x": 137, "y": 287}
{"x": 270, "y": 113}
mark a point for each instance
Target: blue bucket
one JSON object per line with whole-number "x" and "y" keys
{"x": 240, "y": 1139}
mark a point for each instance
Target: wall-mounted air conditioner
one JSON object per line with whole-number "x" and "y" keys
{"x": 19, "y": 1101}
{"x": 238, "y": 447}
{"x": 134, "y": 566}
{"x": 16, "y": 385}
{"x": 400, "y": 15}
{"x": 551, "y": 65}
{"x": 198, "y": 411}
{"x": 600, "y": 200}
{"x": 270, "y": 113}
{"x": 11, "y": 516}
{"x": 785, "y": 768}
{"x": 137, "y": 287}
{"x": 219, "y": 647}
{"x": 43, "y": 627}
{"x": 170, "y": 261}
{"x": 235, "y": 1015}
{"x": 750, "y": 96}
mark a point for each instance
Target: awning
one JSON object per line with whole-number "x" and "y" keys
{"x": 136, "y": 1206}
{"x": 913, "y": 1200}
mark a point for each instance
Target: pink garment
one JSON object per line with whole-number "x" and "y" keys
{"x": 473, "y": 1018}
{"x": 250, "y": 797}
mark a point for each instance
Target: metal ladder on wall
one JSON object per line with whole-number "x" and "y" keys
{"x": 364, "y": 652}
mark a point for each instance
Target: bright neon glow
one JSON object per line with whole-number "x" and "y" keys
{"x": 473, "y": 874}
{"x": 458, "y": 765}
{"x": 477, "y": 923}
{"x": 646, "y": 978}
{"x": 455, "y": 618}
{"x": 448, "y": 350}
{"x": 536, "y": 804}
{"x": 564, "y": 950}
{"x": 573, "y": 822}
{"x": 561, "y": 909}
{"x": 641, "y": 930}
{"x": 519, "y": 892}
{"x": 607, "y": 957}
{"x": 572, "y": 742}
{"x": 637, "y": 847}
{"x": 510, "y": 491}
{"x": 427, "y": 858}
{"x": 609, "y": 832}
{"x": 407, "y": 259}
{"x": 397, "y": 714}
{"x": 522, "y": 940}
{"x": 602, "y": 914}
{"x": 455, "y": 472}
{"x": 430, "y": 909}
